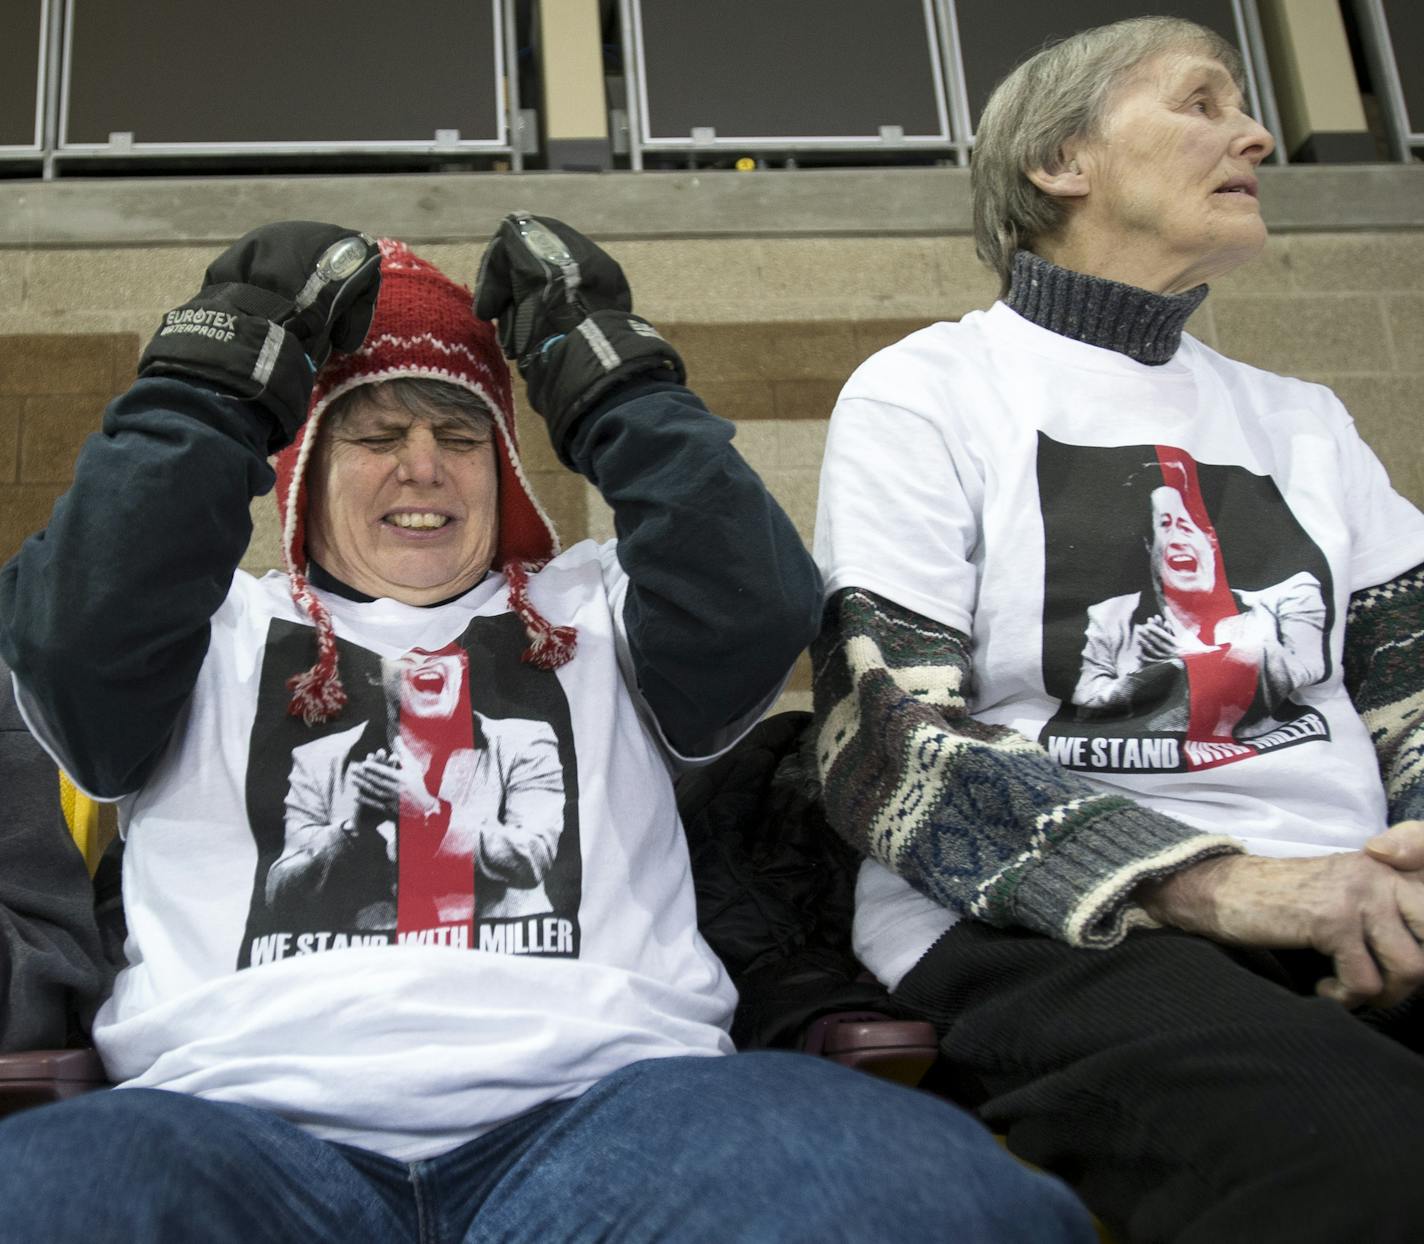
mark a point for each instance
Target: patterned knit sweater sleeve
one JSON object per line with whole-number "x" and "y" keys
{"x": 1384, "y": 674}
{"x": 976, "y": 816}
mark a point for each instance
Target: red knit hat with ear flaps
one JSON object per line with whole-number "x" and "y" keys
{"x": 424, "y": 327}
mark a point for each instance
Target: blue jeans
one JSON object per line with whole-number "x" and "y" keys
{"x": 752, "y": 1147}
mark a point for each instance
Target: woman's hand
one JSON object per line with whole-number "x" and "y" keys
{"x": 1366, "y": 914}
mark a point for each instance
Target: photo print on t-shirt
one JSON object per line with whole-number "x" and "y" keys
{"x": 440, "y": 807}
{"x": 1184, "y": 609}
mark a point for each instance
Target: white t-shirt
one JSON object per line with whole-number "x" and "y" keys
{"x": 519, "y": 926}
{"x": 1153, "y": 563}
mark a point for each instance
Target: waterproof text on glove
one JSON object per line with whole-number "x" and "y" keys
{"x": 271, "y": 309}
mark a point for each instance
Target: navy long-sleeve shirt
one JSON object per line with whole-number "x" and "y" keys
{"x": 104, "y": 615}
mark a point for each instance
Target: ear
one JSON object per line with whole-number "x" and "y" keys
{"x": 1067, "y": 178}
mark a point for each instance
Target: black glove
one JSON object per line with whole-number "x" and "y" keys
{"x": 272, "y": 308}
{"x": 564, "y": 312}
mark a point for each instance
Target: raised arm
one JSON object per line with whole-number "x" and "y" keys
{"x": 722, "y": 594}
{"x": 104, "y": 614}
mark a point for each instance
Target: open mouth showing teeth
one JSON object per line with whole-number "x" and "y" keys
{"x": 432, "y": 682}
{"x": 417, "y": 522}
{"x": 1182, "y": 562}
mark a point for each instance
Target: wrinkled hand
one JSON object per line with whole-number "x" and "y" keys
{"x": 1401, "y": 846}
{"x": 1365, "y": 914}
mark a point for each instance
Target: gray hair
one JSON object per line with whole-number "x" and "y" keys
{"x": 1060, "y": 93}
{"x": 419, "y": 396}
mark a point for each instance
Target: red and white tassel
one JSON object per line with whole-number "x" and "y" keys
{"x": 317, "y": 693}
{"x": 550, "y": 646}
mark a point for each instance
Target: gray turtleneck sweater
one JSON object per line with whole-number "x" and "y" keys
{"x": 1144, "y": 326}
{"x": 1053, "y": 852}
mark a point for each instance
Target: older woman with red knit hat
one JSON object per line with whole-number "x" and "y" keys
{"x": 412, "y": 938}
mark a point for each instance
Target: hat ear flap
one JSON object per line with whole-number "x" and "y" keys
{"x": 526, "y": 533}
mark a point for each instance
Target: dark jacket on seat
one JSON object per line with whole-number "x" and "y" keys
{"x": 775, "y": 886}
{"x": 51, "y": 973}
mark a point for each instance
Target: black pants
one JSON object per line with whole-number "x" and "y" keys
{"x": 1189, "y": 1091}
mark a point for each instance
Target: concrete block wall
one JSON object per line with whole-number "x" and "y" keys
{"x": 770, "y": 329}
{"x": 1342, "y": 309}
{"x": 52, "y": 387}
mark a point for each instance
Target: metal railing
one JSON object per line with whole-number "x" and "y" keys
{"x": 944, "y": 133}
{"x": 945, "y": 48}
{"x": 1404, "y": 134}
{"x": 57, "y": 150}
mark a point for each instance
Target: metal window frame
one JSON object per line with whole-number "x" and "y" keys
{"x": 640, "y": 141}
{"x": 1384, "y": 71}
{"x": 507, "y": 110}
{"x": 1260, "y": 90}
{"x": 952, "y": 53}
{"x": 36, "y": 150}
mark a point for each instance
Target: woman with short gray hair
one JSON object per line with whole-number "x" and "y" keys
{"x": 1051, "y": 99}
{"x": 1117, "y": 909}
